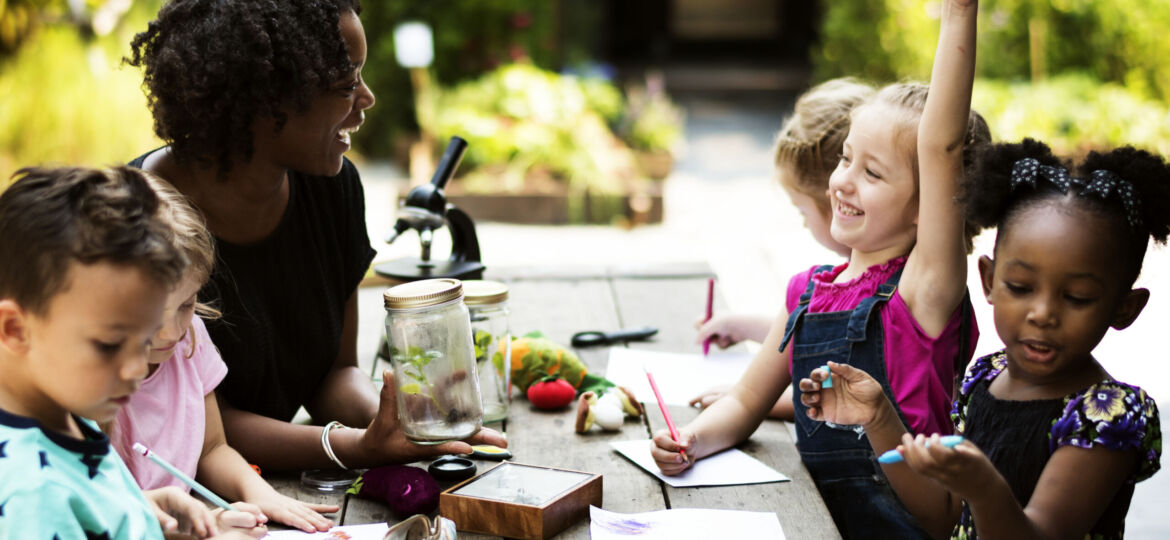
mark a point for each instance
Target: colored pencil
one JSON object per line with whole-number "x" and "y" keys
{"x": 665, "y": 411}
{"x": 142, "y": 449}
{"x": 893, "y": 456}
{"x": 710, "y": 307}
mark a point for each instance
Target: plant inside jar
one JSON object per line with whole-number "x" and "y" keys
{"x": 483, "y": 342}
{"x": 413, "y": 365}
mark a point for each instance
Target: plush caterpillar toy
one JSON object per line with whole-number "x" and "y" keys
{"x": 539, "y": 365}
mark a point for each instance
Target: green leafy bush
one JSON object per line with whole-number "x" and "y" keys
{"x": 471, "y": 37}
{"x": 1073, "y": 113}
{"x": 1119, "y": 41}
{"x": 68, "y": 99}
{"x": 651, "y": 122}
{"x": 522, "y": 122}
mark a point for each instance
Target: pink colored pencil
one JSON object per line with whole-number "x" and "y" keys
{"x": 665, "y": 411}
{"x": 710, "y": 307}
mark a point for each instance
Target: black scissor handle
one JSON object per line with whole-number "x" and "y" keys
{"x": 595, "y": 337}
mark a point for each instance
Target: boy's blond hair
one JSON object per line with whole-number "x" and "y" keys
{"x": 809, "y": 144}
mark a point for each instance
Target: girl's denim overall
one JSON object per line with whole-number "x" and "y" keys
{"x": 839, "y": 458}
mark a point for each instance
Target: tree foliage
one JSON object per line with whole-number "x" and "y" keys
{"x": 1119, "y": 41}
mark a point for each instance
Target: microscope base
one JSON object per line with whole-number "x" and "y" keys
{"x": 411, "y": 269}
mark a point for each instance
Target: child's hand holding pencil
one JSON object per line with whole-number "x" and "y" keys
{"x": 673, "y": 457}
{"x": 674, "y": 460}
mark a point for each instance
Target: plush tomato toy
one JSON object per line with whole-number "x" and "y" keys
{"x": 551, "y": 393}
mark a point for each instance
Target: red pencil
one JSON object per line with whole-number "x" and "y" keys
{"x": 710, "y": 306}
{"x": 665, "y": 412}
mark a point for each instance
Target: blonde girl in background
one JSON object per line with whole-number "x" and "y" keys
{"x": 175, "y": 413}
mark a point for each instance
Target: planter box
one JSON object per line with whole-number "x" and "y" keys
{"x": 629, "y": 209}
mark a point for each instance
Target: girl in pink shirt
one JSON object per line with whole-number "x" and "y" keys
{"x": 174, "y": 412}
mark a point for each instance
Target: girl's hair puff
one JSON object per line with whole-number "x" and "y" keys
{"x": 909, "y": 98}
{"x": 809, "y": 143}
{"x": 990, "y": 199}
{"x": 191, "y": 236}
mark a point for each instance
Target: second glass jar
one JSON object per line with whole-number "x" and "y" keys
{"x": 487, "y": 302}
{"x": 429, "y": 336}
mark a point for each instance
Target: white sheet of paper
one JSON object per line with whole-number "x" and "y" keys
{"x": 680, "y": 377}
{"x": 683, "y": 523}
{"x": 370, "y": 531}
{"x": 727, "y": 468}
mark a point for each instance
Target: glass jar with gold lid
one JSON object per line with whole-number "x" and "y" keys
{"x": 487, "y": 301}
{"x": 428, "y": 330}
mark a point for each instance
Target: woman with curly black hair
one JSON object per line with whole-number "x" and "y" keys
{"x": 256, "y": 101}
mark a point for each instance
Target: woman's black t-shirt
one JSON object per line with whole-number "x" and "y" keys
{"x": 283, "y": 298}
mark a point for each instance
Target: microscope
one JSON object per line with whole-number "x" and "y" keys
{"x": 426, "y": 210}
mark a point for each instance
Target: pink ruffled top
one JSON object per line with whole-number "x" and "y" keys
{"x": 920, "y": 367}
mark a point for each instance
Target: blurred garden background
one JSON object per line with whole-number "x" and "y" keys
{"x": 575, "y": 95}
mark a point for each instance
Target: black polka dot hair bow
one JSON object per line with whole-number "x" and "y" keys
{"x": 1026, "y": 171}
{"x": 1102, "y": 183}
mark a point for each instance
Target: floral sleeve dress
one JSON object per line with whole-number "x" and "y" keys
{"x": 1020, "y": 436}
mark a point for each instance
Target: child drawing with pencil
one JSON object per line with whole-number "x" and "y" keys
{"x": 86, "y": 262}
{"x": 1054, "y": 444}
{"x": 893, "y": 310}
{"x": 174, "y": 413}
{"x": 806, "y": 152}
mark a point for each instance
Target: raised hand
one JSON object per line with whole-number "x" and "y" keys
{"x": 854, "y": 399}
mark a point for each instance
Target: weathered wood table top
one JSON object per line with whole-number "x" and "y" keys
{"x": 562, "y": 302}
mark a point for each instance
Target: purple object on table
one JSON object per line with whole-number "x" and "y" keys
{"x": 407, "y": 490}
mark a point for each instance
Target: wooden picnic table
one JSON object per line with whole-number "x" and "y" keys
{"x": 560, "y": 302}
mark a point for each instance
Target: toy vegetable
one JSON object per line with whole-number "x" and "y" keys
{"x": 551, "y": 393}
{"x": 407, "y": 490}
{"x": 536, "y": 359}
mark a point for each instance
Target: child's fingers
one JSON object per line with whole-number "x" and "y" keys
{"x": 166, "y": 521}
{"x": 239, "y": 519}
{"x": 315, "y": 521}
{"x": 845, "y": 371}
{"x": 321, "y": 508}
{"x": 665, "y": 450}
{"x": 807, "y": 385}
{"x": 251, "y": 509}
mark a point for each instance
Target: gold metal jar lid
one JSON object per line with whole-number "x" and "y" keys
{"x": 478, "y": 292}
{"x": 420, "y": 294}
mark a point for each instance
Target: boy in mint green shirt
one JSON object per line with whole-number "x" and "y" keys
{"x": 86, "y": 263}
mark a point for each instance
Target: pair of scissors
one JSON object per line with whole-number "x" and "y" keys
{"x": 591, "y": 338}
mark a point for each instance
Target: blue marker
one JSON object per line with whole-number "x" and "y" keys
{"x": 828, "y": 382}
{"x": 892, "y": 456}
